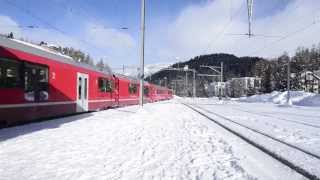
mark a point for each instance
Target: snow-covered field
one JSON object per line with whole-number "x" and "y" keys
{"x": 164, "y": 140}
{"x": 298, "y": 98}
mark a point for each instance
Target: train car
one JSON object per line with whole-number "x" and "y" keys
{"x": 162, "y": 93}
{"x": 37, "y": 82}
{"x": 170, "y": 94}
{"x": 128, "y": 90}
{"x": 148, "y": 92}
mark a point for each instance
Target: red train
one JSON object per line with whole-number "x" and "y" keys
{"x": 37, "y": 82}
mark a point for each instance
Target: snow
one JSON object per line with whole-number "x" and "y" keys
{"x": 148, "y": 69}
{"x": 297, "y": 125}
{"x": 153, "y": 68}
{"x": 298, "y": 98}
{"x": 164, "y": 140}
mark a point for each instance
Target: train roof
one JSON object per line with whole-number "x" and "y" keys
{"x": 46, "y": 53}
{"x": 161, "y": 87}
{"x": 131, "y": 78}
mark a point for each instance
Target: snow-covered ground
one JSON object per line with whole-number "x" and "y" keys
{"x": 164, "y": 140}
{"x": 298, "y": 98}
{"x": 299, "y": 126}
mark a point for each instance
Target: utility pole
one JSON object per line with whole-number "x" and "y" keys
{"x": 186, "y": 69}
{"x": 250, "y": 9}
{"x": 143, "y": 15}
{"x": 186, "y": 83}
{"x": 165, "y": 81}
{"x": 175, "y": 87}
{"x": 194, "y": 83}
{"x": 221, "y": 80}
{"x": 288, "y": 81}
{"x": 219, "y": 71}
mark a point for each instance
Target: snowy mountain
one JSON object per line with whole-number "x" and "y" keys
{"x": 148, "y": 69}
{"x": 153, "y": 68}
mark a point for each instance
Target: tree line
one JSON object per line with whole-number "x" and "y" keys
{"x": 274, "y": 72}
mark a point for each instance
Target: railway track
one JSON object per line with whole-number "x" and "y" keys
{"x": 301, "y": 170}
{"x": 281, "y": 119}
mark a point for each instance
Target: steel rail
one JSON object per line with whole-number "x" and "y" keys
{"x": 274, "y": 155}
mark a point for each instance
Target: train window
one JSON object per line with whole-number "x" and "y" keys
{"x": 85, "y": 88}
{"x": 10, "y": 73}
{"x": 105, "y": 85}
{"x": 36, "y": 83}
{"x": 101, "y": 85}
{"x": 109, "y": 86}
{"x": 146, "y": 91}
{"x": 79, "y": 87}
{"x": 133, "y": 88}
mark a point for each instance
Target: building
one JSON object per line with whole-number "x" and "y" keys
{"x": 243, "y": 86}
{"x": 216, "y": 89}
{"x": 309, "y": 81}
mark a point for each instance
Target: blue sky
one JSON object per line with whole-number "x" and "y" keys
{"x": 176, "y": 29}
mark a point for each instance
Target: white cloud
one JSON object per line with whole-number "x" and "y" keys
{"x": 198, "y": 28}
{"x": 37, "y": 35}
{"x": 108, "y": 37}
{"x": 53, "y": 37}
{"x": 9, "y": 25}
{"x": 116, "y": 45}
{"x": 111, "y": 44}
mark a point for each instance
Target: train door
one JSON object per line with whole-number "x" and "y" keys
{"x": 82, "y": 92}
{"x": 116, "y": 91}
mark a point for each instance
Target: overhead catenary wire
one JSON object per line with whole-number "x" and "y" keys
{"x": 21, "y": 26}
{"x": 50, "y": 26}
{"x": 286, "y": 36}
{"x": 250, "y": 22}
{"x": 283, "y": 37}
{"x": 97, "y": 19}
{"x": 253, "y": 35}
{"x": 221, "y": 33}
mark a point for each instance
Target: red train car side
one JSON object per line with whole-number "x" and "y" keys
{"x": 36, "y": 83}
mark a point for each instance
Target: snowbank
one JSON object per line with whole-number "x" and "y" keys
{"x": 299, "y": 98}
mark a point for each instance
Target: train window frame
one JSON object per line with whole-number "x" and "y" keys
{"x": 105, "y": 85}
{"x": 38, "y": 76}
{"x": 146, "y": 91}
{"x": 133, "y": 88}
{"x": 110, "y": 83}
{"x": 9, "y": 64}
{"x": 79, "y": 88}
{"x": 85, "y": 88}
